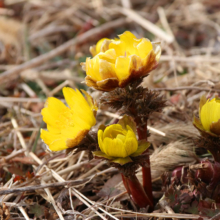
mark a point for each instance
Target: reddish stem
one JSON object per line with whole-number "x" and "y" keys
{"x": 125, "y": 183}
{"x": 136, "y": 191}
{"x": 146, "y": 171}
{"x": 147, "y": 183}
{"x": 216, "y": 154}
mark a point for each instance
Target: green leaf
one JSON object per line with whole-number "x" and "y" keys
{"x": 121, "y": 160}
{"x": 101, "y": 155}
{"x": 142, "y": 146}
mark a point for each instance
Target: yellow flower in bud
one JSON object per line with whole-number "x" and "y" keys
{"x": 118, "y": 62}
{"x": 209, "y": 114}
{"x": 67, "y": 126}
{"x": 118, "y": 143}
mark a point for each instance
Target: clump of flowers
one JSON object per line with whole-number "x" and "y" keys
{"x": 118, "y": 67}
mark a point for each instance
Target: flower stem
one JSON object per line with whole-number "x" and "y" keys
{"x": 136, "y": 191}
{"x": 216, "y": 154}
{"x": 146, "y": 170}
{"x": 147, "y": 183}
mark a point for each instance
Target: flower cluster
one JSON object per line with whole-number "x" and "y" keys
{"x": 115, "y": 63}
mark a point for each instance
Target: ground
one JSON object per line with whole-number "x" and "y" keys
{"x": 42, "y": 44}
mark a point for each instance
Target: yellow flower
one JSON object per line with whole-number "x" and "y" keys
{"x": 209, "y": 114}
{"x": 118, "y": 62}
{"x": 67, "y": 126}
{"x": 118, "y": 143}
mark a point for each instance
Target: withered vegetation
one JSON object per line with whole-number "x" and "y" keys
{"x": 41, "y": 46}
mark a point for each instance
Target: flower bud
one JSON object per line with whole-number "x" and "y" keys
{"x": 118, "y": 142}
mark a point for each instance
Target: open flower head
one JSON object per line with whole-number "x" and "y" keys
{"x": 118, "y": 62}
{"x": 67, "y": 126}
{"x": 209, "y": 116}
{"x": 118, "y": 143}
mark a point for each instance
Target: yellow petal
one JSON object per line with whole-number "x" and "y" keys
{"x": 113, "y": 130}
{"x": 54, "y": 142}
{"x": 118, "y": 47}
{"x": 53, "y": 108}
{"x": 121, "y": 137}
{"x": 90, "y": 101}
{"x": 131, "y": 133}
{"x": 92, "y": 50}
{"x": 109, "y": 56}
{"x": 53, "y": 129}
{"x": 100, "y": 140}
{"x": 81, "y": 111}
{"x": 136, "y": 64}
{"x": 106, "y": 69}
{"x": 92, "y": 68}
{"x": 71, "y": 130}
{"x": 122, "y": 68}
{"x": 57, "y": 145}
{"x": 202, "y": 102}
{"x": 144, "y": 48}
{"x": 108, "y": 144}
{"x": 118, "y": 149}
{"x": 127, "y": 37}
{"x": 131, "y": 143}
{"x": 97, "y": 48}
{"x": 129, "y": 42}
{"x": 210, "y": 113}
{"x": 101, "y": 46}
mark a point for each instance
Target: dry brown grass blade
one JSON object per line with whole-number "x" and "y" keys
{"x": 13, "y": 73}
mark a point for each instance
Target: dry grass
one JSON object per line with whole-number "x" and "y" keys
{"x": 41, "y": 46}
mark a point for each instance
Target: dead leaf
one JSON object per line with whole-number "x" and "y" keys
{"x": 4, "y": 212}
